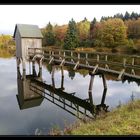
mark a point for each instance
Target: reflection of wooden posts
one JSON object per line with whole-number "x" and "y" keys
{"x": 23, "y": 65}
{"x": 40, "y": 67}
{"x": 104, "y": 81}
{"x": 18, "y": 73}
{"x": 20, "y": 60}
{"x": 29, "y": 67}
{"x": 62, "y": 78}
{"x": 24, "y": 75}
{"x": 132, "y": 70}
{"x": 53, "y": 70}
{"x": 90, "y": 89}
{"x": 103, "y": 97}
{"x": 33, "y": 68}
{"x": 105, "y": 89}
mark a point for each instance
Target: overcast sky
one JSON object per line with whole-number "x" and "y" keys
{"x": 57, "y": 14}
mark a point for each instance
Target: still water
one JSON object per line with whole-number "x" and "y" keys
{"x": 19, "y": 119}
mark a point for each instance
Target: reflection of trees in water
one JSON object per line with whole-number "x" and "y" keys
{"x": 83, "y": 72}
{"x": 49, "y": 68}
{"x": 71, "y": 74}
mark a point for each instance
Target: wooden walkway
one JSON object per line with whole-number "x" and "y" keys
{"x": 127, "y": 66}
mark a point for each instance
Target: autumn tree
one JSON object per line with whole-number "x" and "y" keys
{"x": 110, "y": 33}
{"x": 71, "y": 40}
{"x": 60, "y": 32}
{"x": 6, "y": 40}
{"x": 133, "y": 28}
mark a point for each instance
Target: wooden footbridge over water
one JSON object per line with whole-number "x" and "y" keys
{"x": 127, "y": 66}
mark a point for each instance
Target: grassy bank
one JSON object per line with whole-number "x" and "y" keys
{"x": 121, "y": 121}
{"x": 124, "y": 120}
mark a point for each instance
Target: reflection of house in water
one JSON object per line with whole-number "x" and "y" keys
{"x": 32, "y": 90}
{"x": 26, "y": 97}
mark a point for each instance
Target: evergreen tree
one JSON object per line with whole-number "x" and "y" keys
{"x": 49, "y": 35}
{"x": 71, "y": 40}
{"x": 126, "y": 16}
{"x": 92, "y": 25}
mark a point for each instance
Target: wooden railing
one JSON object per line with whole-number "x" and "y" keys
{"x": 116, "y": 63}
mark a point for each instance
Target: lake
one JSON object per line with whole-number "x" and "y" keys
{"x": 20, "y": 119}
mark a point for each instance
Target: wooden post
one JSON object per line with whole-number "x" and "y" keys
{"x": 62, "y": 62}
{"x": 90, "y": 89}
{"x": 62, "y": 78}
{"x": 95, "y": 69}
{"x": 78, "y": 56}
{"x": 29, "y": 67}
{"x": 98, "y": 58}
{"x": 40, "y": 72}
{"x": 75, "y": 67}
{"x": 104, "y": 96}
{"x": 106, "y": 59}
{"x": 71, "y": 56}
{"x": 106, "y": 56}
{"x": 51, "y": 59}
{"x": 124, "y": 62}
{"x": 60, "y": 55}
{"x": 104, "y": 81}
{"x": 50, "y": 54}
{"x": 77, "y": 110}
{"x": 87, "y": 59}
{"x": 18, "y": 62}
{"x": 64, "y": 103}
{"x": 53, "y": 71}
{"x": 33, "y": 68}
{"x": 64, "y": 54}
{"x": 121, "y": 74}
{"x": 133, "y": 63}
{"x": 23, "y": 65}
{"x": 24, "y": 75}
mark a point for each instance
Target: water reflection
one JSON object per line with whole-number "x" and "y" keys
{"x": 32, "y": 90}
{"x": 27, "y": 98}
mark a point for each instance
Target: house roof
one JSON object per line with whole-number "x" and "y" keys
{"x": 29, "y": 31}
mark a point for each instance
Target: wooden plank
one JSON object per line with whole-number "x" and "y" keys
{"x": 63, "y": 61}
{"x": 75, "y": 67}
{"x": 121, "y": 74}
{"x": 51, "y": 60}
{"x": 95, "y": 69}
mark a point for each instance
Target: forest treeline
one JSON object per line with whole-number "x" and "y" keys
{"x": 7, "y": 46}
{"x": 121, "y": 31}
{"x": 6, "y": 41}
